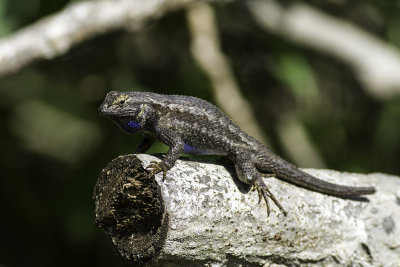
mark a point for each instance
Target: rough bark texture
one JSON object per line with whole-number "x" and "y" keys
{"x": 214, "y": 219}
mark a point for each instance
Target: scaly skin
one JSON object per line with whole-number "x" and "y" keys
{"x": 192, "y": 125}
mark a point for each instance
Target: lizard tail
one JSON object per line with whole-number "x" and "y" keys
{"x": 288, "y": 172}
{"x": 300, "y": 178}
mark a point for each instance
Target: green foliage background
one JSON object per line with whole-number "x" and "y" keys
{"x": 54, "y": 144}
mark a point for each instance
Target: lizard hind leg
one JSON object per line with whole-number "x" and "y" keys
{"x": 249, "y": 174}
{"x": 265, "y": 193}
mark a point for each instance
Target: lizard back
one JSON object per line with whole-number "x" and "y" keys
{"x": 191, "y": 116}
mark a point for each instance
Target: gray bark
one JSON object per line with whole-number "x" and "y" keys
{"x": 214, "y": 219}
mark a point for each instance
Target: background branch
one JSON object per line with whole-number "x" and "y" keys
{"x": 80, "y": 21}
{"x": 375, "y": 63}
{"x": 206, "y": 50}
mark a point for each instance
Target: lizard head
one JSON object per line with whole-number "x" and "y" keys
{"x": 116, "y": 104}
{"x": 124, "y": 109}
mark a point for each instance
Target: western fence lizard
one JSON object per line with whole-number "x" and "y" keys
{"x": 192, "y": 125}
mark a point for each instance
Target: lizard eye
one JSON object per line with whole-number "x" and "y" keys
{"x": 120, "y": 100}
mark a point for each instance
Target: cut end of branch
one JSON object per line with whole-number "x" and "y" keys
{"x": 130, "y": 209}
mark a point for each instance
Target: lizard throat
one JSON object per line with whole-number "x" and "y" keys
{"x": 131, "y": 126}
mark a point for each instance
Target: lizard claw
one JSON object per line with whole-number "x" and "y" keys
{"x": 157, "y": 167}
{"x": 263, "y": 192}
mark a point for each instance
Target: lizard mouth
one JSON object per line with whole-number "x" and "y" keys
{"x": 111, "y": 112}
{"x": 105, "y": 112}
{"x": 108, "y": 111}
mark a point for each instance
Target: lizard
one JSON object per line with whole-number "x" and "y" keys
{"x": 188, "y": 124}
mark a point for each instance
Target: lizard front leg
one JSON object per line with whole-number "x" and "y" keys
{"x": 176, "y": 144}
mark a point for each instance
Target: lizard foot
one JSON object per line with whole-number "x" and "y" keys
{"x": 263, "y": 192}
{"x": 157, "y": 167}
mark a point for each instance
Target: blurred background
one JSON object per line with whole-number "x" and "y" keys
{"x": 307, "y": 78}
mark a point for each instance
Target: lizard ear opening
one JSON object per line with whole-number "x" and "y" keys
{"x": 142, "y": 111}
{"x": 147, "y": 113}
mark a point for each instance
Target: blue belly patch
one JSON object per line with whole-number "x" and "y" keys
{"x": 134, "y": 125}
{"x": 192, "y": 150}
{"x": 131, "y": 126}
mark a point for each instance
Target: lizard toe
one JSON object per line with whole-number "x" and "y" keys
{"x": 263, "y": 191}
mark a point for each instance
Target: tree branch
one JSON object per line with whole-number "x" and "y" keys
{"x": 54, "y": 35}
{"x": 213, "y": 218}
{"x": 376, "y": 63}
